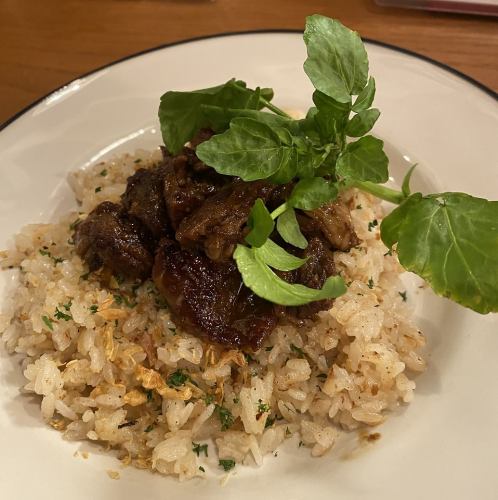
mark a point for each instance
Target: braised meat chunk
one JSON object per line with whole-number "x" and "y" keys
{"x": 208, "y": 298}
{"x": 109, "y": 237}
{"x": 313, "y": 274}
{"x": 218, "y": 224}
{"x": 187, "y": 184}
{"x": 332, "y": 221}
{"x": 144, "y": 199}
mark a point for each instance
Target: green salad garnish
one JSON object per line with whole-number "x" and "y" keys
{"x": 449, "y": 239}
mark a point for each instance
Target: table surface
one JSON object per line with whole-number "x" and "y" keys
{"x": 44, "y": 44}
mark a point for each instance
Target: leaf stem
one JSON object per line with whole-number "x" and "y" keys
{"x": 279, "y": 210}
{"x": 275, "y": 109}
{"x": 380, "y": 191}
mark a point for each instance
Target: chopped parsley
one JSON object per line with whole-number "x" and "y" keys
{"x": 372, "y": 224}
{"x": 176, "y": 379}
{"x": 60, "y": 315}
{"x": 300, "y": 444}
{"x": 138, "y": 160}
{"x": 94, "y": 308}
{"x": 98, "y": 189}
{"x": 248, "y": 357}
{"x": 201, "y": 468}
{"x": 46, "y": 253}
{"x": 149, "y": 428}
{"x": 358, "y": 207}
{"x": 209, "y": 398}
{"x": 122, "y": 299}
{"x": 103, "y": 173}
{"x": 370, "y": 283}
{"x": 74, "y": 224}
{"x": 67, "y": 306}
{"x": 403, "y": 295}
{"x": 200, "y": 448}
{"x": 297, "y": 350}
{"x": 269, "y": 422}
{"x": 225, "y": 416}
{"x": 48, "y": 322}
{"x": 227, "y": 464}
{"x": 269, "y": 348}
{"x": 263, "y": 407}
{"x": 127, "y": 424}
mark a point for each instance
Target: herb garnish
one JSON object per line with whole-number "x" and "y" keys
{"x": 94, "y": 308}
{"x": 263, "y": 407}
{"x": 372, "y": 224}
{"x": 48, "y": 322}
{"x": 435, "y": 234}
{"x": 225, "y": 416}
{"x": 200, "y": 448}
{"x": 46, "y": 253}
{"x": 403, "y": 295}
{"x": 297, "y": 350}
{"x": 61, "y": 315}
{"x": 227, "y": 464}
{"x": 178, "y": 378}
{"x": 74, "y": 224}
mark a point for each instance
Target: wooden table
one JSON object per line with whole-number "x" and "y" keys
{"x": 46, "y": 43}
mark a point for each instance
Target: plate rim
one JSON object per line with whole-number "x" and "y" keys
{"x": 450, "y": 69}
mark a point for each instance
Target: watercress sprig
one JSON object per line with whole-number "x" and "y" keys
{"x": 450, "y": 239}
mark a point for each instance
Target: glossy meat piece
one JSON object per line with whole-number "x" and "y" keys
{"x": 203, "y": 135}
{"x": 218, "y": 224}
{"x": 187, "y": 184}
{"x": 144, "y": 199}
{"x": 108, "y": 237}
{"x": 208, "y": 298}
{"x": 319, "y": 266}
{"x": 332, "y": 221}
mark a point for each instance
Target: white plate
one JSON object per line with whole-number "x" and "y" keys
{"x": 445, "y": 444}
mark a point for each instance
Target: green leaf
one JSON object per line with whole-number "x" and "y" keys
{"x": 362, "y": 123}
{"x": 405, "y": 187}
{"x": 275, "y": 256}
{"x": 181, "y": 115}
{"x": 265, "y": 283}
{"x": 332, "y": 116}
{"x": 219, "y": 117}
{"x": 337, "y": 62}
{"x": 391, "y": 225}
{"x": 365, "y": 97}
{"x": 261, "y": 224}
{"x": 364, "y": 160}
{"x": 450, "y": 240}
{"x": 312, "y": 193}
{"x": 289, "y": 230}
{"x": 250, "y": 150}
